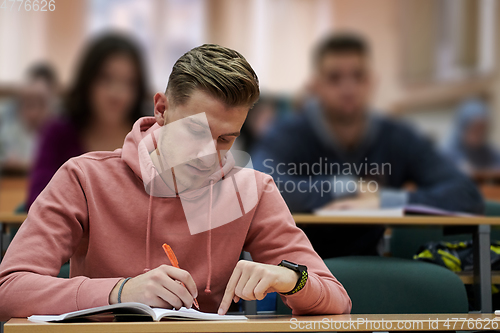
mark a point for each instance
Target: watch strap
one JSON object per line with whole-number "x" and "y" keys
{"x": 301, "y": 282}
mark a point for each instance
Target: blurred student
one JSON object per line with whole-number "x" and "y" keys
{"x": 258, "y": 123}
{"x": 468, "y": 145}
{"x": 104, "y": 101}
{"x": 337, "y": 154}
{"x": 110, "y": 212}
{"x": 22, "y": 120}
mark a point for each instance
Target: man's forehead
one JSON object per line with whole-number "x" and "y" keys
{"x": 342, "y": 59}
{"x": 202, "y": 119}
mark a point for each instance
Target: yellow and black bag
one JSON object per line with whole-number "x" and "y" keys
{"x": 456, "y": 256}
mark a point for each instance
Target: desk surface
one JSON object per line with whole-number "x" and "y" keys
{"x": 13, "y": 191}
{"x": 303, "y": 219}
{"x": 353, "y": 323}
{"x": 491, "y": 176}
{"x": 11, "y": 218}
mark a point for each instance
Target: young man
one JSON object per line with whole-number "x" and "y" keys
{"x": 110, "y": 213}
{"x": 339, "y": 155}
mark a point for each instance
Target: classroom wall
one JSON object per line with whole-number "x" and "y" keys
{"x": 495, "y": 91}
{"x": 276, "y": 36}
{"x": 378, "y": 21}
{"x": 66, "y": 36}
{"x": 41, "y": 36}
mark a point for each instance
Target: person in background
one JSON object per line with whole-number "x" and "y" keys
{"x": 468, "y": 145}
{"x": 337, "y": 154}
{"x": 106, "y": 98}
{"x": 21, "y": 120}
{"x": 258, "y": 122}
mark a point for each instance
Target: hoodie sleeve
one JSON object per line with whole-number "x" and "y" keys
{"x": 48, "y": 237}
{"x": 273, "y": 236}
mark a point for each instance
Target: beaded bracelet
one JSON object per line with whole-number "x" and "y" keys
{"x": 121, "y": 289}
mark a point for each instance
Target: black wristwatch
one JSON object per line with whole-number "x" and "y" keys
{"x": 301, "y": 269}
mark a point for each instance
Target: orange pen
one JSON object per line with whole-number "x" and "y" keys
{"x": 173, "y": 260}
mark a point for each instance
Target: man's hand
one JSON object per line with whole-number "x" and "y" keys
{"x": 160, "y": 287}
{"x": 251, "y": 281}
{"x": 367, "y": 200}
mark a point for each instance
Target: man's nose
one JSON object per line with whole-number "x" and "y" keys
{"x": 208, "y": 154}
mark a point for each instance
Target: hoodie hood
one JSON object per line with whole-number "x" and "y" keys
{"x": 198, "y": 204}
{"x": 138, "y": 145}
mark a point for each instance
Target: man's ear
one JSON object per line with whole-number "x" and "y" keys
{"x": 161, "y": 105}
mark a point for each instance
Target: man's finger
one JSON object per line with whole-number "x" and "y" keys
{"x": 169, "y": 297}
{"x": 262, "y": 288}
{"x": 182, "y": 276}
{"x": 229, "y": 293}
{"x": 242, "y": 281}
{"x": 248, "y": 289}
{"x": 180, "y": 291}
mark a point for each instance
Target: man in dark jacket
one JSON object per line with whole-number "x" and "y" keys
{"x": 336, "y": 154}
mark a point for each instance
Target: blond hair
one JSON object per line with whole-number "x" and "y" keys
{"x": 217, "y": 70}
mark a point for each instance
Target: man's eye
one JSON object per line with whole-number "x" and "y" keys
{"x": 196, "y": 129}
{"x": 222, "y": 139}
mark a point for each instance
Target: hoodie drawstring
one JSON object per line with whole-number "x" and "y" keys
{"x": 209, "y": 241}
{"x": 149, "y": 222}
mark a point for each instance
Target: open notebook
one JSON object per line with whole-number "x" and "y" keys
{"x": 137, "y": 309}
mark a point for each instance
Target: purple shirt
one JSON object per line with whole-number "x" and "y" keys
{"x": 58, "y": 142}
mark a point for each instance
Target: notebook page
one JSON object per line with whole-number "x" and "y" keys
{"x": 121, "y": 308}
{"x": 388, "y": 212}
{"x": 184, "y": 313}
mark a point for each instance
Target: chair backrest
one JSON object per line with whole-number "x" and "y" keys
{"x": 406, "y": 240}
{"x": 392, "y": 285}
{"x": 492, "y": 208}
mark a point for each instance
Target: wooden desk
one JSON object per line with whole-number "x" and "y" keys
{"x": 488, "y": 182}
{"x": 10, "y": 218}
{"x": 306, "y": 219}
{"x": 340, "y": 323}
{"x": 481, "y": 228}
{"x": 491, "y": 176}
{"x": 13, "y": 191}
{"x": 490, "y": 191}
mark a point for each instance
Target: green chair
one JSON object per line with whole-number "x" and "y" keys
{"x": 405, "y": 241}
{"x": 281, "y": 308}
{"x": 382, "y": 285}
{"x": 391, "y": 285}
{"x": 492, "y": 208}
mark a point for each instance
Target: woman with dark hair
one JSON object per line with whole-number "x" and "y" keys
{"x": 102, "y": 104}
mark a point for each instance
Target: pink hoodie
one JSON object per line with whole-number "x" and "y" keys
{"x": 96, "y": 212}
